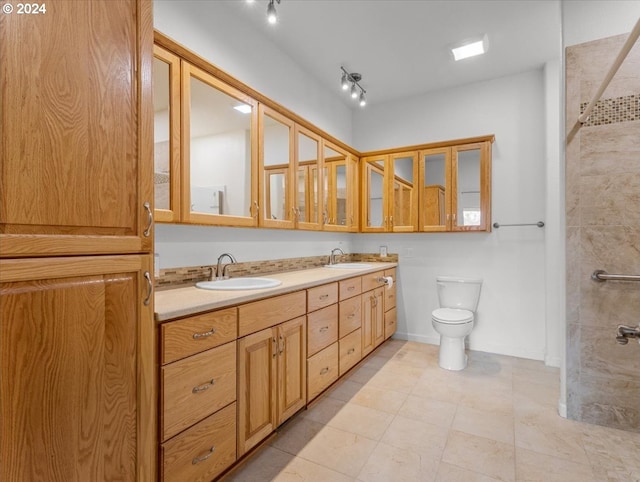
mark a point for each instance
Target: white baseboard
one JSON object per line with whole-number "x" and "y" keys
{"x": 562, "y": 409}
{"x": 553, "y": 361}
{"x": 429, "y": 340}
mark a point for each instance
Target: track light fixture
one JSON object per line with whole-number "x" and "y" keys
{"x": 353, "y": 79}
{"x": 272, "y": 15}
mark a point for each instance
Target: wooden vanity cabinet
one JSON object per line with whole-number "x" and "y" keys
{"x": 390, "y": 311}
{"x": 340, "y": 189}
{"x": 373, "y": 323}
{"x": 271, "y": 365}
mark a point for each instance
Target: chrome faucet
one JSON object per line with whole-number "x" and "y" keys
{"x": 220, "y": 274}
{"x": 332, "y": 256}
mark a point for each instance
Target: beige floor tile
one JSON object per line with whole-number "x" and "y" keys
{"x": 345, "y": 390}
{"x": 324, "y": 410}
{"x": 376, "y": 361}
{"x": 379, "y": 399}
{"x": 418, "y": 437}
{"x": 390, "y": 348}
{"x": 415, "y": 358}
{"x": 425, "y": 410}
{"x": 361, "y": 420}
{"x": 536, "y": 467}
{"x": 479, "y": 454}
{"x": 396, "y": 377}
{"x": 493, "y": 425}
{"x": 451, "y": 473}
{"x": 388, "y": 463}
{"x": 338, "y": 450}
{"x": 496, "y": 399}
{"x": 542, "y": 394}
{"x": 438, "y": 387}
{"x": 362, "y": 375}
{"x": 541, "y": 377}
{"x": 296, "y": 434}
{"x": 611, "y": 449}
{"x": 605, "y": 473}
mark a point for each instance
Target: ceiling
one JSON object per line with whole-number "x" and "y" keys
{"x": 402, "y": 47}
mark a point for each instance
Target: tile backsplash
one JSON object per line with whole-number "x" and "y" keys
{"x": 180, "y": 277}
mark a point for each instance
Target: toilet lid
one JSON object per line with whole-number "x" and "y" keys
{"x": 452, "y": 315}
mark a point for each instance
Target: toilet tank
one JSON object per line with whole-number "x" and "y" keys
{"x": 460, "y": 293}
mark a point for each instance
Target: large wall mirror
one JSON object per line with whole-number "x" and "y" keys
{"x": 468, "y": 190}
{"x": 336, "y": 187}
{"x": 375, "y": 195}
{"x": 221, "y": 128}
{"x": 434, "y": 166}
{"x": 404, "y": 197}
{"x": 308, "y": 207}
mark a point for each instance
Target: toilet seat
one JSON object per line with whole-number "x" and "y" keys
{"x": 452, "y": 316}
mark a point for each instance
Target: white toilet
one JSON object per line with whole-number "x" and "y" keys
{"x": 458, "y": 299}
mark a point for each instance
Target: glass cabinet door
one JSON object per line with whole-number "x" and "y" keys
{"x": 308, "y": 207}
{"x": 278, "y": 172}
{"x": 470, "y": 185}
{"x": 434, "y": 196}
{"x": 403, "y": 196}
{"x": 374, "y": 195}
{"x": 166, "y": 135}
{"x": 339, "y": 189}
{"x": 219, "y": 146}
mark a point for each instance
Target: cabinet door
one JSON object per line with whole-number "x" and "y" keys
{"x": 292, "y": 366}
{"x": 219, "y": 147}
{"x": 340, "y": 189}
{"x": 378, "y": 314}
{"x": 375, "y": 216}
{"x": 471, "y": 187}
{"x": 76, "y": 124}
{"x": 403, "y": 194}
{"x": 435, "y": 190}
{"x": 77, "y": 357}
{"x": 308, "y": 207}
{"x": 368, "y": 322}
{"x": 166, "y": 135}
{"x": 256, "y": 388}
{"x": 277, "y": 170}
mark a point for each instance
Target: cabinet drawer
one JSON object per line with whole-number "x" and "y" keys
{"x": 196, "y": 387}
{"x": 202, "y": 452}
{"x": 350, "y": 315}
{"x": 390, "y": 323}
{"x": 370, "y": 281}
{"x": 196, "y": 334}
{"x": 322, "y": 296}
{"x": 322, "y": 370}
{"x": 350, "y": 287}
{"x": 263, "y": 314}
{"x": 350, "y": 351}
{"x": 322, "y": 329}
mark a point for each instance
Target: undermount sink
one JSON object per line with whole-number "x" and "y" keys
{"x": 348, "y": 265}
{"x": 233, "y": 284}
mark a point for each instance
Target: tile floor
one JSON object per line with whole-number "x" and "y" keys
{"x": 399, "y": 417}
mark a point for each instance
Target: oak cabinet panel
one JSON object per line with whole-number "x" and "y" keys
{"x": 350, "y": 315}
{"x": 372, "y": 320}
{"x": 265, "y": 313}
{"x": 292, "y": 374}
{"x": 322, "y": 329}
{"x": 322, "y": 370}
{"x": 322, "y": 296}
{"x": 75, "y": 159}
{"x": 350, "y": 351}
{"x": 76, "y": 358}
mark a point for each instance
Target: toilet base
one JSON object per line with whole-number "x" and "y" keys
{"x": 451, "y": 355}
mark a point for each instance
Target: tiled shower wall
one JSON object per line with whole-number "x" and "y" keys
{"x": 603, "y": 232}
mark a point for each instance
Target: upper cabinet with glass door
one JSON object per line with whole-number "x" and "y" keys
{"x": 390, "y": 193}
{"x": 455, "y": 187}
{"x": 340, "y": 189}
{"x": 219, "y": 147}
{"x": 166, "y": 135}
{"x": 308, "y": 207}
{"x": 277, "y": 170}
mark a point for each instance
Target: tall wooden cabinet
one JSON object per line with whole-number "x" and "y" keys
{"x": 77, "y": 351}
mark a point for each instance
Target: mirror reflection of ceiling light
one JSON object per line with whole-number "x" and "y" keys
{"x": 272, "y": 15}
{"x": 244, "y": 108}
{"x": 470, "y": 48}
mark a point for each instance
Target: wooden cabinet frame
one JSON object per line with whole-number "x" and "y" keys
{"x": 310, "y": 188}
{"x": 330, "y": 213}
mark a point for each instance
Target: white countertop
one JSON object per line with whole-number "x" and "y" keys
{"x": 178, "y": 302}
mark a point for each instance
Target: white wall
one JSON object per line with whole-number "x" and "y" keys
{"x": 583, "y": 21}
{"x": 219, "y": 35}
{"x": 511, "y": 313}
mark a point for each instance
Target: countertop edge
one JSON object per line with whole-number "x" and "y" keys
{"x": 181, "y": 302}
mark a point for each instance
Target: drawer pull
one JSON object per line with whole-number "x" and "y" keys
{"x": 323, "y": 329}
{"x": 323, "y": 297}
{"x": 351, "y": 350}
{"x": 197, "y": 336}
{"x": 204, "y": 387}
{"x": 351, "y": 288}
{"x": 351, "y": 315}
{"x": 204, "y": 457}
{"x": 324, "y": 370}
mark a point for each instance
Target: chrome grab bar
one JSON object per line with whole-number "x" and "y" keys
{"x": 540, "y": 224}
{"x": 602, "y": 275}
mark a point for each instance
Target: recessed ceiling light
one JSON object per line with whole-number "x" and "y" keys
{"x": 470, "y": 48}
{"x": 244, "y": 108}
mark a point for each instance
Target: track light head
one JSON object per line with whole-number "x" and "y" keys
{"x": 344, "y": 82}
{"x": 272, "y": 15}
{"x": 354, "y": 91}
{"x": 363, "y": 100}
{"x": 353, "y": 79}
